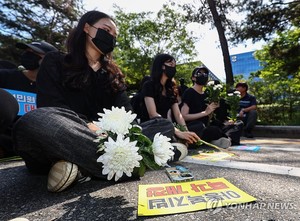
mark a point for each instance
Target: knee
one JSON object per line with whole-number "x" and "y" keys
{"x": 252, "y": 113}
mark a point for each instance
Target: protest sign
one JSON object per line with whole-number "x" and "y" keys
{"x": 170, "y": 198}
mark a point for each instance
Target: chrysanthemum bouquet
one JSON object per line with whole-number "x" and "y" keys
{"x": 233, "y": 100}
{"x": 214, "y": 92}
{"x": 123, "y": 147}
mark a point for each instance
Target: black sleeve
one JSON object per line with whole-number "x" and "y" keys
{"x": 49, "y": 85}
{"x": 148, "y": 89}
{"x": 187, "y": 97}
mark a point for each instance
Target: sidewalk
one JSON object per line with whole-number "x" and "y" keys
{"x": 25, "y": 195}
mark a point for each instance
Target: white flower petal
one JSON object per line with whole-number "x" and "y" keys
{"x": 162, "y": 149}
{"x": 121, "y": 156}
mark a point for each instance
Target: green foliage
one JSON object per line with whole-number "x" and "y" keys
{"x": 265, "y": 18}
{"x": 278, "y": 89}
{"x": 233, "y": 100}
{"x": 144, "y": 35}
{"x": 35, "y": 20}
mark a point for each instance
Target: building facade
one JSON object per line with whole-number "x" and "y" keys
{"x": 244, "y": 64}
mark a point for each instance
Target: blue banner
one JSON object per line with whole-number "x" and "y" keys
{"x": 26, "y": 100}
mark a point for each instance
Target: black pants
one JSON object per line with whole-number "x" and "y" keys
{"x": 9, "y": 109}
{"x": 208, "y": 133}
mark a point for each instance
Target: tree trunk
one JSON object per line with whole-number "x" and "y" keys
{"x": 223, "y": 42}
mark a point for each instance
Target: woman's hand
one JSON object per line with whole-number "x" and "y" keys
{"x": 93, "y": 127}
{"x": 190, "y": 137}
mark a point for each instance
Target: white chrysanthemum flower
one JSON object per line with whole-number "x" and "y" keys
{"x": 210, "y": 83}
{"x": 230, "y": 94}
{"x": 121, "y": 156}
{"x": 162, "y": 149}
{"x": 217, "y": 87}
{"x": 237, "y": 93}
{"x": 116, "y": 120}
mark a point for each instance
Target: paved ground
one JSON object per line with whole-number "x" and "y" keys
{"x": 271, "y": 175}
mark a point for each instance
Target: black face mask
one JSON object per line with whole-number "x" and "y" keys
{"x": 30, "y": 60}
{"x": 202, "y": 79}
{"x": 104, "y": 41}
{"x": 170, "y": 71}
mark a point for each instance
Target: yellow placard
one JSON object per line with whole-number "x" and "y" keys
{"x": 170, "y": 198}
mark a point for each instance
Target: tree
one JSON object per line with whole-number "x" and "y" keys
{"x": 144, "y": 35}
{"x": 280, "y": 77}
{"x": 214, "y": 12}
{"x": 265, "y": 18}
{"x": 35, "y": 20}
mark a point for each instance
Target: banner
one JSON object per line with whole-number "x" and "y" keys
{"x": 26, "y": 100}
{"x": 170, "y": 198}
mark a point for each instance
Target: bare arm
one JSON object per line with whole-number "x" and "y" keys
{"x": 189, "y": 117}
{"x": 151, "y": 107}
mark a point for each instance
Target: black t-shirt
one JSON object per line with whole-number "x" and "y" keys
{"x": 196, "y": 102}
{"x": 15, "y": 80}
{"x": 162, "y": 103}
{"x": 86, "y": 102}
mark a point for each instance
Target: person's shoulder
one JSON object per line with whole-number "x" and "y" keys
{"x": 54, "y": 56}
{"x": 250, "y": 95}
{"x": 148, "y": 84}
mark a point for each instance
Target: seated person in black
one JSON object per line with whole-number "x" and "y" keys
{"x": 160, "y": 95}
{"x": 22, "y": 79}
{"x": 196, "y": 111}
{"x": 220, "y": 119}
{"x": 137, "y": 101}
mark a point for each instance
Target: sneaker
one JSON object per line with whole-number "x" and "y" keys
{"x": 180, "y": 152}
{"x": 62, "y": 175}
{"x": 223, "y": 142}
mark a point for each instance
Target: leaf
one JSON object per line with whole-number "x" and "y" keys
{"x": 141, "y": 170}
{"x": 149, "y": 162}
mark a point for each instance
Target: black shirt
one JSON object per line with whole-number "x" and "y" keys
{"x": 86, "y": 102}
{"x": 162, "y": 103}
{"x": 196, "y": 102}
{"x": 15, "y": 80}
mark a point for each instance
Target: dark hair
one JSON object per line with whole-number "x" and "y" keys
{"x": 156, "y": 74}
{"x": 242, "y": 84}
{"x": 76, "y": 62}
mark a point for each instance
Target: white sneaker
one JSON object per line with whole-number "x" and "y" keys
{"x": 222, "y": 142}
{"x": 180, "y": 151}
{"x": 62, "y": 175}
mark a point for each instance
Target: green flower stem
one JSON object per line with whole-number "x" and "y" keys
{"x": 216, "y": 147}
{"x": 14, "y": 158}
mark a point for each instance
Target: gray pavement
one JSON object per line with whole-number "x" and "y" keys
{"x": 271, "y": 175}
